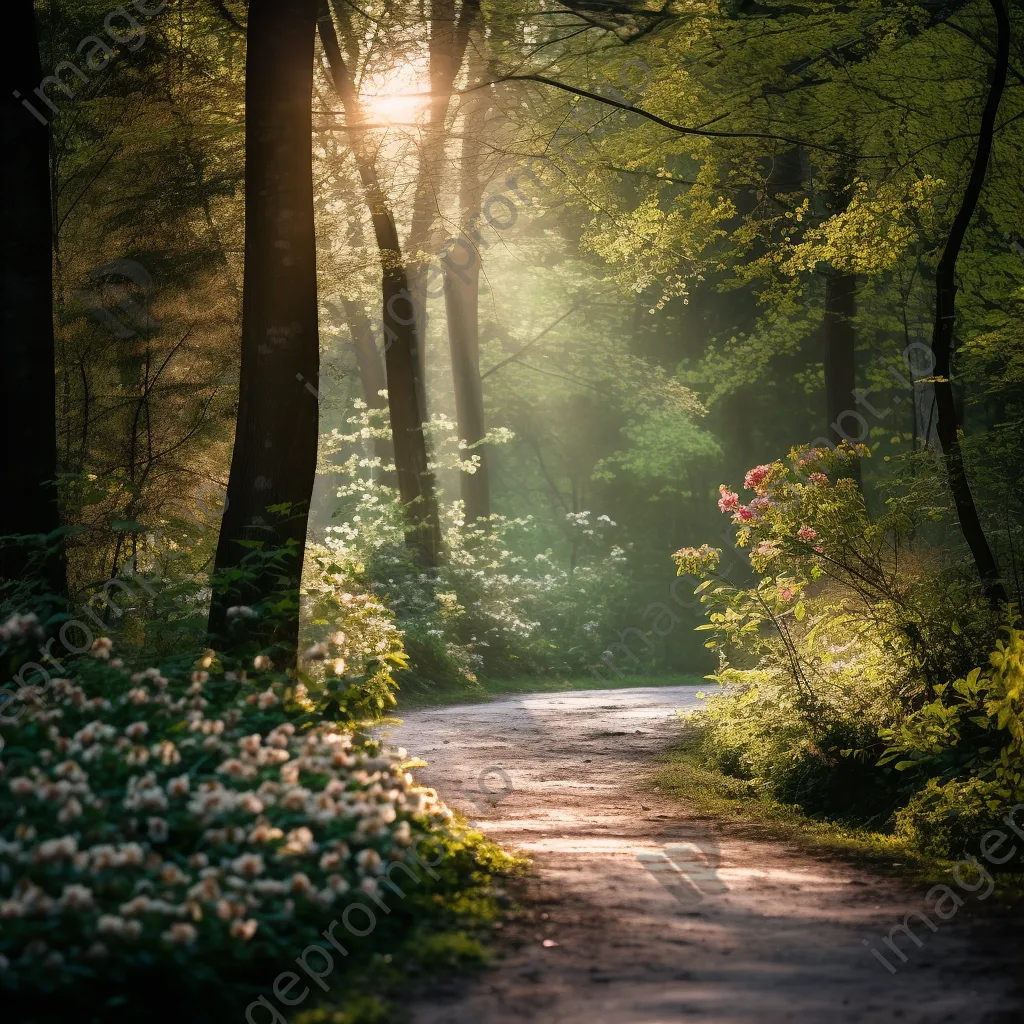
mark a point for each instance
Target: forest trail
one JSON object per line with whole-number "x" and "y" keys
{"x": 772, "y": 934}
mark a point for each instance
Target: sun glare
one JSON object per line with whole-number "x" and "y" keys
{"x": 397, "y": 96}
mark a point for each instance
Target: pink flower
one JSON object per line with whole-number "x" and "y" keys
{"x": 820, "y": 550}
{"x": 728, "y": 500}
{"x": 786, "y": 594}
{"x": 806, "y": 533}
{"x": 759, "y": 503}
{"x": 755, "y": 477}
{"x": 818, "y": 478}
{"x": 742, "y": 515}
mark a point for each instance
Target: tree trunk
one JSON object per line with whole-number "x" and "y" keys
{"x": 449, "y": 37}
{"x": 462, "y": 294}
{"x": 950, "y": 429}
{"x": 372, "y": 379}
{"x": 839, "y": 359}
{"x": 274, "y": 459}
{"x": 844, "y": 420}
{"x": 401, "y": 345}
{"x": 28, "y": 465}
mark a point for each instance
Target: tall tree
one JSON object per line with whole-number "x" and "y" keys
{"x": 274, "y": 460}
{"x": 406, "y": 390}
{"x": 449, "y": 37}
{"x": 949, "y": 426}
{"x": 462, "y": 307}
{"x": 28, "y": 465}
{"x": 839, "y": 336}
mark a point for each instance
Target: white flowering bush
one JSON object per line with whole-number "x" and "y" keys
{"x": 191, "y": 818}
{"x": 497, "y": 605}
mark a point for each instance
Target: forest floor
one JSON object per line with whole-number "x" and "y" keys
{"x": 638, "y": 910}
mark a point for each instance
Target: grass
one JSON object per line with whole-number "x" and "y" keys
{"x": 710, "y": 793}
{"x": 411, "y": 696}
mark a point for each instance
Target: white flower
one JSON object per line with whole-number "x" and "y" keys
{"x": 250, "y": 744}
{"x": 368, "y": 861}
{"x": 101, "y": 647}
{"x": 300, "y": 883}
{"x": 76, "y": 897}
{"x": 110, "y": 924}
{"x": 244, "y": 930}
{"x": 240, "y": 611}
{"x": 262, "y": 663}
{"x": 338, "y": 884}
{"x": 249, "y": 864}
{"x": 181, "y": 934}
{"x": 136, "y": 730}
{"x": 300, "y": 841}
{"x": 318, "y": 652}
{"x": 157, "y": 830}
{"x": 21, "y": 786}
{"x": 55, "y": 849}
{"x": 71, "y": 810}
{"x": 368, "y": 886}
{"x": 251, "y": 803}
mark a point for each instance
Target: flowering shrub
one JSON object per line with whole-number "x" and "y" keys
{"x": 846, "y": 628}
{"x": 156, "y": 819}
{"x": 490, "y": 608}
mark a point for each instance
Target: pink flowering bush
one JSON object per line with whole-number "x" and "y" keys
{"x": 192, "y": 823}
{"x": 839, "y": 625}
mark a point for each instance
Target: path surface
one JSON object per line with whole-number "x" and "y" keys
{"x": 636, "y": 914}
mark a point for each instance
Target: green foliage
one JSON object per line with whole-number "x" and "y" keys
{"x": 198, "y": 823}
{"x": 969, "y": 744}
{"x": 840, "y": 662}
{"x": 497, "y": 606}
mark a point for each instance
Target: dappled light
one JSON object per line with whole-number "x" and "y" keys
{"x": 512, "y": 511}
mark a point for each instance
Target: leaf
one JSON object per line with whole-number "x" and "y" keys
{"x": 799, "y": 611}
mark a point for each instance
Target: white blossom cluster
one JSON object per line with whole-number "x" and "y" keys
{"x": 142, "y": 813}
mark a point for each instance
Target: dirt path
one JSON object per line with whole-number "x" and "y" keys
{"x": 637, "y": 915}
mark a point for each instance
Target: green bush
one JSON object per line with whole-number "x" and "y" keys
{"x": 847, "y": 665}
{"x": 189, "y": 828}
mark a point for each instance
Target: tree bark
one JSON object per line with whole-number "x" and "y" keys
{"x": 28, "y": 465}
{"x": 401, "y": 346}
{"x": 449, "y": 37}
{"x": 949, "y": 427}
{"x": 274, "y": 459}
{"x": 372, "y": 378}
{"x": 843, "y": 419}
{"x": 462, "y": 300}
{"x": 839, "y": 359}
